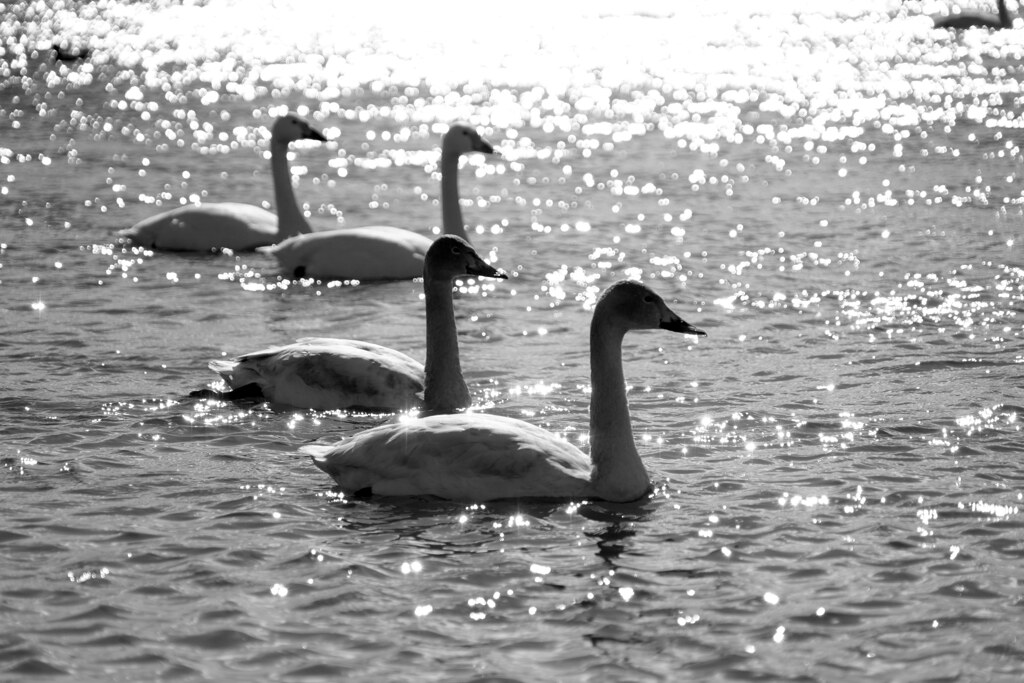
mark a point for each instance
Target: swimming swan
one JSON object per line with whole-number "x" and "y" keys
{"x": 382, "y": 252}
{"x": 63, "y": 52}
{"x": 480, "y": 457}
{"x": 975, "y": 19}
{"x": 231, "y": 225}
{"x": 338, "y": 374}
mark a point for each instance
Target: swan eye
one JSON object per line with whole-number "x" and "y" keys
{"x": 649, "y": 299}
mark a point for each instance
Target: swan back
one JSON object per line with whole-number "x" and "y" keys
{"x": 471, "y": 457}
{"x": 328, "y": 374}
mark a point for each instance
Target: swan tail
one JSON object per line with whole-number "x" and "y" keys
{"x": 247, "y": 392}
{"x": 319, "y": 453}
{"x": 137, "y": 237}
{"x": 222, "y": 366}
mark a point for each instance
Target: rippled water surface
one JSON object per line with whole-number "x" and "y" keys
{"x": 833, "y": 193}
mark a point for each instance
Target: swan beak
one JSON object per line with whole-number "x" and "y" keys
{"x": 486, "y": 147}
{"x": 314, "y": 134}
{"x": 482, "y": 269}
{"x": 677, "y": 324}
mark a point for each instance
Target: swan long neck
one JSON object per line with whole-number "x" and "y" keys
{"x": 1004, "y": 14}
{"x": 445, "y": 390}
{"x": 619, "y": 473}
{"x": 290, "y": 220}
{"x": 451, "y": 212}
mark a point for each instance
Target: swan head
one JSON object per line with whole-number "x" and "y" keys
{"x": 450, "y": 257}
{"x": 633, "y": 305}
{"x": 292, "y": 127}
{"x": 462, "y": 139}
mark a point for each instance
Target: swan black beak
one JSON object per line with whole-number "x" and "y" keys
{"x": 677, "y": 324}
{"x": 486, "y": 270}
{"x": 486, "y": 147}
{"x": 314, "y": 134}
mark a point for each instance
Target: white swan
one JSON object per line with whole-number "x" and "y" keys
{"x": 479, "y": 457}
{"x": 975, "y": 19}
{"x": 382, "y": 252}
{"x": 338, "y": 374}
{"x": 231, "y": 225}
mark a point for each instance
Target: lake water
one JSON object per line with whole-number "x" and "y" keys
{"x": 832, "y": 192}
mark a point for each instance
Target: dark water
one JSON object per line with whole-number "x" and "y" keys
{"x": 833, "y": 194}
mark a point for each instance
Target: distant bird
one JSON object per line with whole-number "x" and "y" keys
{"x": 231, "y": 225}
{"x": 480, "y": 457}
{"x": 382, "y": 252}
{"x": 343, "y": 374}
{"x": 975, "y": 19}
{"x": 68, "y": 55}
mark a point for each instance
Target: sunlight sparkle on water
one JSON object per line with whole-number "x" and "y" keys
{"x": 414, "y": 567}
{"x": 798, "y": 500}
{"x": 88, "y": 575}
{"x": 995, "y": 509}
{"x": 790, "y": 168}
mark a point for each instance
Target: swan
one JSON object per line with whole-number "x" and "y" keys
{"x": 975, "y": 19}
{"x": 382, "y": 252}
{"x": 480, "y": 457}
{"x": 338, "y": 374}
{"x": 231, "y": 225}
{"x": 63, "y": 53}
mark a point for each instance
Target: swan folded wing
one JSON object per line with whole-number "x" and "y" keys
{"x": 329, "y": 374}
{"x": 204, "y": 227}
{"x": 460, "y": 457}
{"x": 365, "y": 253}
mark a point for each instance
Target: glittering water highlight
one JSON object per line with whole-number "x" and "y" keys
{"x": 832, "y": 193}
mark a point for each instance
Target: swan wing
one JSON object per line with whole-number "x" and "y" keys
{"x": 329, "y": 374}
{"x": 367, "y": 253}
{"x": 468, "y": 456}
{"x": 205, "y": 227}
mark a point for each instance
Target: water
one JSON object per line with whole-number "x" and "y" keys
{"x": 832, "y": 193}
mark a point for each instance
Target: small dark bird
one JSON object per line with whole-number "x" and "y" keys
{"x": 973, "y": 19}
{"x": 67, "y": 55}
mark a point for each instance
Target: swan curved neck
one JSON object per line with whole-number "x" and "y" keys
{"x": 290, "y": 220}
{"x": 445, "y": 390}
{"x": 451, "y": 212}
{"x": 619, "y": 473}
{"x": 1004, "y": 14}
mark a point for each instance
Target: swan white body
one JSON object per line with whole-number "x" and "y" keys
{"x": 329, "y": 374}
{"x": 231, "y": 225}
{"x": 477, "y": 457}
{"x": 436, "y": 455}
{"x": 382, "y": 252}
{"x": 367, "y": 253}
{"x": 965, "y": 19}
{"x": 339, "y": 374}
